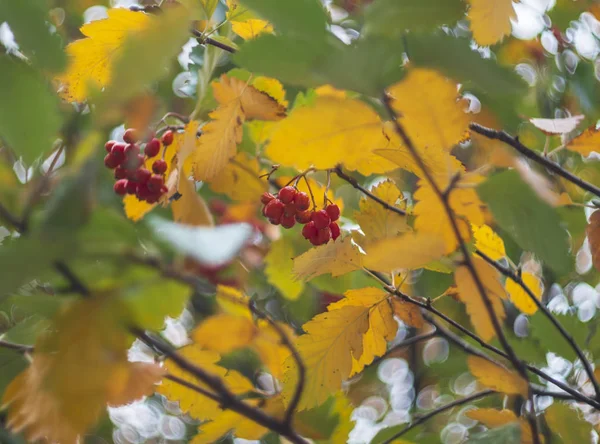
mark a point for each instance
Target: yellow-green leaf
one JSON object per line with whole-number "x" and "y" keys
{"x": 337, "y": 258}
{"x": 492, "y": 418}
{"x": 496, "y": 377}
{"x": 279, "y": 269}
{"x": 490, "y": 20}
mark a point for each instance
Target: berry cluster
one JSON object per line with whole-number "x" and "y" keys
{"x": 128, "y": 162}
{"x": 291, "y": 206}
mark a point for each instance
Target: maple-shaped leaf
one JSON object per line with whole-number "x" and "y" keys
{"x": 335, "y": 342}
{"x": 279, "y": 269}
{"x": 490, "y": 20}
{"x": 329, "y": 132}
{"x": 488, "y": 242}
{"x": 432, "y": 218}
{"x": 427, "y": 105}
{"x": 497, "y": 377}
{"x": 240, "y": 179}
{"x": 244, "y": 22}
{"x": 519, "y": 297}
{"x": 407, "y": 251}
{"x": 470, "y": 296}
{"x": 90, "y": 59}
{"x": 337, "y": 258}
{"x": 593, "y": 234}
{"x": 67, "y": 386}
{"x": 378, "y": 222}
{"x": 586, "y": 143}
{"x": 198, "y": 406}
{"x": 492, "y": 418}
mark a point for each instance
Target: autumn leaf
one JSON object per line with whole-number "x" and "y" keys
{"x": 557, "y": 126}
{"x": 191, "y": 208}
{"x": 586, "y": 143}
{"x": 568, "y": 423}
{"x": 329, "y": 132}
{"x": 496, "y": 377}
{"x": 469, "y": 294}
{"x": 408, "y": 313}
{"x": 344, "y": 409}
{"x": 378, "y": 222}
{"x": 492, "y": 418}
{"x": 490, "y": 20}
{"x": 427, "y": 105}
{"x": 273, "y": 88}
{"x": 224, "y": 333}
{"x": 91, "y": 58}
{"x": 593, "y": 234}
{"x": 134, "y": 381}
{"x": 233, "y": 301}
{"x": 519, "y": 297}
{"x": 244, "y": 22}
{"x": 488, "y": 242}
{"x": 419, "y": 249}
{"x": 341, "y": 342}
{"x": 240, "y": 179}
{"x": 337, "y": 258}
{"x": 279, "y": 269}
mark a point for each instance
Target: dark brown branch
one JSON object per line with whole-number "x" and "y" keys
{"x": 16, "y": 347}
{"x": 406, "y": 343}
{"x": 421, "y": 419}
{"x": 503, "y": 136}
{"x": 75, "y": 284}
{"x": 352, "y": 181}
{"x": 564, "y": 333}
{"x": 205, "y": 40}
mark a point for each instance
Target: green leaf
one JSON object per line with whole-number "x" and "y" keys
{"x": 26, "y": 331}
{"x": 29, "y": 115}
{"x": 11, "y": 364}
{"x": 551, "y": 340}
{"x": 507, "y": 434}
{"x": 532, "y": 223}
{"x": 567, "y": 423}
{"x": 385, "y": 434}
{"x": 41, "y": 304}
{"x": 28, "y": 20}
{"x": 298, "y": 17}
{"x": 394, "y": 17}
{"x": 455, "y": 58}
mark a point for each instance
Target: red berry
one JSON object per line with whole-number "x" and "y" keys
{"x": 303, "y": 217}
{"x": 164, "y": 189}
{"x": 132, "y": 150}
{"x": 120, "y": 173}
{"x": 287, "y": 194}
{"x": 302, "y": 201}
{"x": 131, "y": 187}
{"x": 288, "y": 221}
{"x": 133, "y": 163}
{"x": 152, "y": 148}
{"x": 333, "y": 211}
{"x": 155, "y": 183}
{"x": 159, "y": 166}
{"x": 309, "y": 230}
{"x": 153, "y": 198}
{"x": 323, "y": 236}
{"x": 321, "y": 219}
{"x": 266, "y": 198}
{"x": 167, "y": 138}
{"x": 335, "y": 230}
{"x": 142, "y": 175}
{"x": 108, "y": 145}
{"x": 118, "y": 152}
{"x": 130, "y": 136}
{"x": 274, "y": 209}
{"x": 290, "y": 210}
{"x": 120, "y": 187}
{"x": 111, "y": 161}
{"x": 143, "y": 192}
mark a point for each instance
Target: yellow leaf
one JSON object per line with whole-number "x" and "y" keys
{"x": 244, "y": 22}
{"x": 328, "y": 90}
{"x": 272, "y": 87}
{"x": 490, "y": 20}
{"x": 136, "y": 209}
{"x": 586, "y": 143}
{"x": 224, "y": 333}
{"x": 240, "y": 179}
{"x": 343, "y": 408}
{"x": 492, "y": 418}
{"x": 426, "y": 104}
{"x": 470, "y": 296}
{"x": 408, "y": 313}
{"x": 241, "y": 426}
{"x": 269, "y": 346}
{"x": 233, "y": 301}
{"x": 133, "y": 381}
{"x": 255, "y": 104}
{"x": 519, "y": 297}
{"x": 218, "y": 143}
{"x": 192, "y": 402}
{"x": 190, "y": 208}
{"x": 337, "y": 258}
{"x": 488, "y": 242}
{"x": 279, "y": 269}
{"x": 91, "y": 58}
{"x": 67, "y": 386}
{"x": 496, "y": 377}
{"x": 329, "y": 132}
{"x": 410, "y": 250}
{"x": 377, "y": 222}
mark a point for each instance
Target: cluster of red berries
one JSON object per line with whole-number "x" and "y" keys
{"x": 132, "y": 177}
{"x": 291, "y": 206}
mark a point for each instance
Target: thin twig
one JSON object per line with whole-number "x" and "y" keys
{"x": 194, "y": 387}
{"x": 76, "y": 285}
{"x": 16, "y": 347}
{"x": 205, "y": 40}
{"x": 352, "y": 181}
{"x": 564, "y": 333}
{"x": 421, "y": 419}
{"x": 529, "y": 153}
{"x": 405, "y": 343}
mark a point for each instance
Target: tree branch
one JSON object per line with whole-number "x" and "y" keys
{"x": 205, "y": 40}
{"x": 503, "y": 136}
{"x": 16, "y": 347}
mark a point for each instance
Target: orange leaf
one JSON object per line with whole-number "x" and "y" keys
{"x": 593, "y": 233}
{"x": 497, "y": 377}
